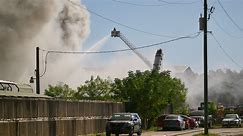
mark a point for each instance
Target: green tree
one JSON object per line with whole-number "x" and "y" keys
{"x": 177, "y": 95}
{"x": 148, "y": 93}
{"x": 61, "y": 90}
{"x": 95, "y": 89}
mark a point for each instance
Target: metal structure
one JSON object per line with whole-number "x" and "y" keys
{"x": 37, "y": 71}
{"x": 115, "y": 33}
{"x": 158, "y": 59}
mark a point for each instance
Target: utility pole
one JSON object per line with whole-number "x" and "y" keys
{"x": 205, "y": 68}
{"x": 37, "y": 71}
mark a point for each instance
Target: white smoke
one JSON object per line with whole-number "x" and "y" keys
{"x": 224, "y": 86}
{"x": 49, "y": 24}
{"x": 20, "y": 22}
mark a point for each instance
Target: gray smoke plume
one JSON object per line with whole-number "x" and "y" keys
{"x": 224, "y": 86}
{"x": 49, "y": 24}
{"x": 20, "y": 22}
{"x": 70, "y": 21}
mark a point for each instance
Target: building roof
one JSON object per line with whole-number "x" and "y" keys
{"x": 180, "y": 69}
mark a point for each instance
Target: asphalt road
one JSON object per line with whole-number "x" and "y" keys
{"x": 221, "y": 131}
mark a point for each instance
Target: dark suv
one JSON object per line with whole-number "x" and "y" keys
{"x": 124, "y": 123}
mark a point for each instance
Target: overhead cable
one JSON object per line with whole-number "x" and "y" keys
{"x": 45, "y": 63}
{"x": 226, "y": 53}
{"x": 227, "y": 14}
{"x": 178, "y": 3}
{"x": 155, "y": 5}
{"x": 116, "y": 22}
{"x": 226, "y": 32}
{"x": 136, "y": 4}
{"x": 195, "y": 35}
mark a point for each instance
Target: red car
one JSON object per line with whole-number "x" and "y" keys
{"x": 189, "y": 122}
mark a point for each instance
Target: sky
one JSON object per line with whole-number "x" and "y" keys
{"x": 86, "y": 25}
{"x": 74, "y": 25}
{"x": 141, "y": 21}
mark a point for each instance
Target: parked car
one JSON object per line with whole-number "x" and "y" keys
{"x": 124, "y": 123}
{"x": 160, "y": 121}
{"x": 231, "y": 120}
{"x": 198, "y": 115}
{"x": 173, "y": 122}
{"x": 190, "y": 122}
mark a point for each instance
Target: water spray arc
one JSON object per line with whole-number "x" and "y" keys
{"x": 115, "y": 33}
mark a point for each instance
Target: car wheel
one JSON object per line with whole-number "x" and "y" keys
{"x": 131, "y": 133}
{"x": 139, "y": 133}
{"x": 210, "y": 124}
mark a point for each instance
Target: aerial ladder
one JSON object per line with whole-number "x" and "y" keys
{"x": 158, "y": 55}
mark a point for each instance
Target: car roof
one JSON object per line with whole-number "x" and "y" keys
{"x": 174, "y": 115}
{"x": 123, "y": 113}
{"x": 8, "y": 82}
{"x": 231, "y": 114}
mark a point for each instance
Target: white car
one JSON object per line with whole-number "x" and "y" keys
{"x": 231, "y": 120}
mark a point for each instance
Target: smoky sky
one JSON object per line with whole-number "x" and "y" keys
{"x": 20, "y": 21}
{"x": 224, "y": 86}
{"x": 26, "y": 24}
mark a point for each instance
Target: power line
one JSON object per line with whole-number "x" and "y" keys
{"x": 112, "y": 51}
{"x": 226, "y": 32}
{"x": 224, "y": 51}
{"x": 178, "y": 3}
{"x": 45, "y": 64}
{"x": 136, "y": 4}
{"x": 193, "y": 36}
{"x": 113, "y": 21}
{"x": 229, "y": 16}
{"x": 155, "y": 5}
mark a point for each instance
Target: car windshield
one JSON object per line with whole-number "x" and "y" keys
{"x": 227, "y": 116}
{"x": 171, "y": 117}
{"x": 126, "y": 117}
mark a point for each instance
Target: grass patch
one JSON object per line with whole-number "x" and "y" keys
{"x": 216, "y": 126}
{"x": 209, "y": 134}
{"x": 99, "y": 134}
{"x": 150, "y": 129}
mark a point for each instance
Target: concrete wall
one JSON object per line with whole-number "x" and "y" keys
{"x": 46, "y": 117}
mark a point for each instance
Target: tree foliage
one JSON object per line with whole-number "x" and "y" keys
{"x": 149, "y": 92}
{"x": 61, "y": 90}
{"x": 95, "y": 89}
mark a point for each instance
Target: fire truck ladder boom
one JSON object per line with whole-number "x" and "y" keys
{"x": 115, "y": 33}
